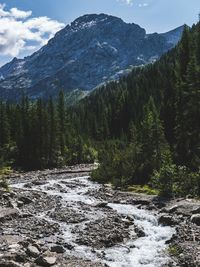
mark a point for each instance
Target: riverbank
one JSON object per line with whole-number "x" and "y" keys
{"x": 61, "y": 218}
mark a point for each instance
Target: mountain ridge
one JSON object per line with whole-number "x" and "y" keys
{"x": 93, "y": 49}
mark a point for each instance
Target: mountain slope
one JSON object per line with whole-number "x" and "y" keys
{"x": 173, "y": 37}
{"x": 92, "y": 50}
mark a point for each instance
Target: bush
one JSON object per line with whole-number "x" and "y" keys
{"x": 118, "y": 164}
{"x": 163, "y": 179}
{"x": 3, "y": 173}
{"x": 173, "y": 180}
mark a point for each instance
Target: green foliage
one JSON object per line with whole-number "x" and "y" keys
{"x": 3, "y": 183}
{"x": 3, "y": 173}
{"x": 145, "y": 189}
{"x": 173, "y": 180}
{"x": 163, "y": 179}
{"x": 174, "y": 250}
{"x": 39, "y": 135}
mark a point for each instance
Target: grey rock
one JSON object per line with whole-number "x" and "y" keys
{"x": 33, "y": 251}
{"x": 20, "y": 204}
{"x": 166, "y": 220}
{"x": 8, "y": 214}
{"x": 9, "y": 264}
{"x": 58, "y": 249}
{"x": 172, "y": 209}
{"x": 196, "y": 219}
{"x": 25, "y": 200}
{"x": 196, "y": 211}
{"x": 102, "y": 205}
{"x": 46, "y": 261}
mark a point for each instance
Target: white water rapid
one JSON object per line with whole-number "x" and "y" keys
{"x": 147, "y": 251}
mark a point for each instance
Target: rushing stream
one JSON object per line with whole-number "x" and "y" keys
{"x": 148, "y": 250}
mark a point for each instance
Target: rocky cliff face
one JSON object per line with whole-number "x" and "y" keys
{"x": 173, "y": 37}
{"x": 92, "y": 50}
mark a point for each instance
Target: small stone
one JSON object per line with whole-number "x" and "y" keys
{"x": 20, "y": 204}
{"x": 140, "y": 232}
{"x": 58, "y": 249}
{"x": 33, "y": 251}
{"x": 68, "y": 246}
{"x": 102, "y": 205}
{"x": 25, "y": 200}
{"x": 46, "y": 261}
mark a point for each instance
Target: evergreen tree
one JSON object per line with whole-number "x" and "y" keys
{"x": 61, "y": 122}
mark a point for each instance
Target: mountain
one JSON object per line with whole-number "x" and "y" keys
{"x": 173, "y": 36}
{"x": 92, "y": 50}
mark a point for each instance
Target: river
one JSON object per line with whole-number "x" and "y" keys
{"x": 148, "y": 250}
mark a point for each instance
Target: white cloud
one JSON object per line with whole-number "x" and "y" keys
{"x": 143, "y": 5}
{"x": 128, "y": 2}
{"x": 18, "y": 31}
{"x": 19, "y": 14}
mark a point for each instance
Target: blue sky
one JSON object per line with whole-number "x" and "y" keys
{"x": 26, "y": 25}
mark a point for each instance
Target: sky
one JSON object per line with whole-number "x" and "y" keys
{"x": 26, "y": 25}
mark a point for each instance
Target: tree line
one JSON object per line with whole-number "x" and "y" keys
{"x": 37, "y": 135}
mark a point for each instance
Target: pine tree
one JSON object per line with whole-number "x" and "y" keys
{"x": 153, "y": 141}
{"x": 52, "y": 132}
{"x": 4, "y": 126}
{"x": 61, "y": 122}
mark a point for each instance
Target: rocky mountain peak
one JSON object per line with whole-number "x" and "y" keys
{"x": 93, "y": 19}
{"x": 92, "y": 50}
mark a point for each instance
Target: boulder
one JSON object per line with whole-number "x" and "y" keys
{"x": 172, "y": 209}
{"x": 166, "y": 220}
{"x": 195, "y": 219}
{"x": 46, "y": 261}
{"x": 58, "y": 249}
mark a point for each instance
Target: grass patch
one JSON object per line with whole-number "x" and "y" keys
{"x": 3, "y": 173}
{"x": 143, "y": 190}
{"x": 174, "y": 250}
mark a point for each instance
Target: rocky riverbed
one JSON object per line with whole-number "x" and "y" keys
{"x": 62, "y": 218}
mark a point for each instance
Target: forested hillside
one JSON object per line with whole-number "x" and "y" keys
{"x": 154, "y": 115}
{"x": 146, "y": 127}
